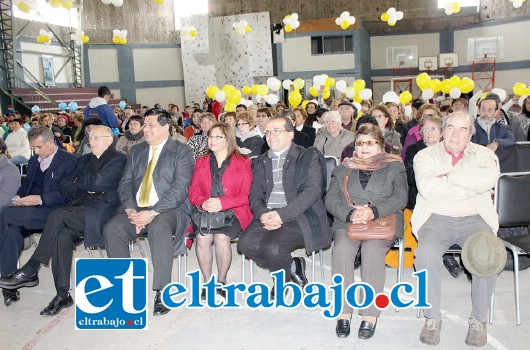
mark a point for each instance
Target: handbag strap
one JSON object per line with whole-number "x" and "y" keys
{"x": 345, "y": 188}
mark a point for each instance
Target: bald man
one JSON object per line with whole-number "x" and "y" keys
{"x": 91, "y": 191}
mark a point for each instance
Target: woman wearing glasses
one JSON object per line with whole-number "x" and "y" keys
{"x": 132, "y": 136}
{"x": 221, "y": 182}
{"x": 377, "y": 187}
{"x": 248, "y": 139}
{"x": 414, "y": 134}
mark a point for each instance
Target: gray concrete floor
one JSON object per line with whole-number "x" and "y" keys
{"x": 24, "y": 328}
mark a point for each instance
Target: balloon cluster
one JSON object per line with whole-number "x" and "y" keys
{"x": 391, "y": 16}
{"x": 72, "y": 106}
{"x": 188, "y": 32}
{"x": 404, "y": 97}
{"x": 521, "y": 89}
{"x": 67, "y": 4}
{"x": 517, "y": 3}
{"x": 79, "y": 37}
{"x": 291, "y": 22}
{"x": 119, "y": 36}
{"x": 44, "y": 37}
{"x": 452, "y": 7}
{"x": 321, "y": 83}
{"x": 116, "y": 3}
{"x": 229, "y": 93}
{"x": 345, "y": 20}
{"x": 241, "y": 27}
{"x": 454, "y": 86}
{"x": 26, "y": 6}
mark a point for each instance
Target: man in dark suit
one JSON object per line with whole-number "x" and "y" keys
{"x": 92, "y": 193}
{"x": 38, "y": 196}
{"x": 154, "y": 195}
{"x": 287, "y": 214}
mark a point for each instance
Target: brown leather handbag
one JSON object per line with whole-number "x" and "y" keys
{"x": 382, "y": 228}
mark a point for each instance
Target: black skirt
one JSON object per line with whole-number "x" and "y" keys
{"x": 233, "y": 231}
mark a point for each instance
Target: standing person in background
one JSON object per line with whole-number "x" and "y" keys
{"x": 98, "y": 107}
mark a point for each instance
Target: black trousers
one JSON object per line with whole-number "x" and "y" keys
{"x": 271, "y": 249}
{"x": 12, "y": 221}
{"x": 118, "y": 232}
{"x": 63, "y": 228}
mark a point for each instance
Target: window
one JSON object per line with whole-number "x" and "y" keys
{"x": 187, "y": 8}
{"x": 57, "y": 16}
{"x": 331, "y": 44}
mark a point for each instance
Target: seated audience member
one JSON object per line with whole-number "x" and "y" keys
{"x": 454, "y": 180}
{"x": 133, "y": 135}
{"x": 525, "y": 117}
{"x": 248, "y": 141}
{"x": 88, "y": 125}
{"x": 78, "y": 132}
{"x": 350, "y": 149}
{"x": 414, "y": 134}
{"x": 241, "y": 108}
{"x": 64, "y": 130}
{"x": 195, "y": 124}
{"x": 262, "y": 117}
{"x": 460, "y": 104}
{"x": 127, "y": 114}
{"x": 347, "y": 113}
{"x": 221, "y": 183}
{"x": 511, "y": 119}
{"x": 300, "y": 138}
{"x": 377, "y": 186}
{"x": 334, "y": 138}
{"x": 230, "y": 119}
{"x": 386, "y": 124}
{"x": 300, "y": 125}
{"x": 9, "y": 178}
{"x": 17, "y": 143}
{"x": 311, "y": 109}
{"x": 445, "y": 111}
{"x": 92, "y": 193}
{"x": 286, "y": 201}
{"x": 334, "y": 104}
{"x": 280, "y": 106}
{"x": 38, "y": 196}
{"x": 159, "y": 208}
{"x": 395, "y": 111}
{"x": 489, "y": 132}
{"x": 199, "y": 142}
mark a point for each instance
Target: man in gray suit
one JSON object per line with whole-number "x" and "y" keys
{"x": 154, "y": 195}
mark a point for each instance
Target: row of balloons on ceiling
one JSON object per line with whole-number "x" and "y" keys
{"x": 72, "y": 107}
{"x": 27, "y": 6}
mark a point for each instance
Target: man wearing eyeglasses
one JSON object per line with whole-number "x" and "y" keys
{"x": 38, "y": 196}
{"x": 154, "y": 199}
{"x": 288, "y": 210}
{"x": 92, "y": 193}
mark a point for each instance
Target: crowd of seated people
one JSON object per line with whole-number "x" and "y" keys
{"x": 272, "y": 205}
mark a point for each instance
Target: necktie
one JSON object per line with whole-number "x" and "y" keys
{"x": 147, "y": 182}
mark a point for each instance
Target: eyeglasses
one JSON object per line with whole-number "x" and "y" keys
{"x": 36, "y": 148}
{"x": 378, "y": 116}
{"x": 216, "y": 137}
{"x": 431, "y": 129}
{"x": 274, "y": 132}
{"x": 262, "y": 115}
{"x": 327, "y": 122}
{"x": 367, "y": 143}
{"x": 428, "y": 115}
{"x": 241, "y": 124}
{"x": 96, "y": 138}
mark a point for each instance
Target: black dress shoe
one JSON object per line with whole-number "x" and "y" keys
{"x": 159, "y": 309}
{"x": 366, "y": 330}
{"x": 11, "y": 296}
{"x": 299, "y": 276}
{"x": 452, "y": 266}
{"x": 220, "y": 292}
{"x": 18, "y": 279}
{"x": 56, "y": 305}
{"x": 272, "y": 294}
{"x": 357, "y": 262}
{"x": 203, "y": 294}
{"x": 343, "y": 328}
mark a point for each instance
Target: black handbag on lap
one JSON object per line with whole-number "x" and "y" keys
{"x": 204, "y": 221}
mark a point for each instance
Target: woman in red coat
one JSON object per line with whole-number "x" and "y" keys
{"x": 221, "y": 181}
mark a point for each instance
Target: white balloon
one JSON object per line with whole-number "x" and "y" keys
{"x": 117, "y": 3}
{"x": 220, "y": 96}
{"x": 294, "y": 16}
{"x": 448, "y": 11}
{"x": 357, "y": 106}
{"x": 350, "y": 92}
{"x": 345, "y": 15}
{"x": 391, "y": 10}
{"x": 399, "y": 15}
{"x": 390, "y": 96}
{"x": 271, "y": 99}
{"x": 427, "y": 94}
{"x": 106, "y": 2}
{"x": 499, "y": 92}
{"x": 338, "y": 21}
{"x": 517, "y": 3}
{"x": 258, "y": 98}
{"x": 287, "y": 84}
{"x": 455, "y": 93}
{"x": 341, "y": 86}
{"x": 273, "y": 84}
{"x": 247, "y": 103}
{"x": 295, "y": 24}
{"x": 408, "y": 110}
{"x": 242, "y": 101}
{"x": 365, "y": 94}
{"x": 317, "y": 87}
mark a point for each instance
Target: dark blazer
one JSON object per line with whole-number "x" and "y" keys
{"x": 311, "y": 133}
{"x": 61, "y": 166}
{"x": 253, "y": 143}
{"x": 386, "y": 189}
{"x": 102, "y": 205}
{"x": 297, "y": 204}
{"x": 410, "y": 153}
{"x": 501, "y": 133}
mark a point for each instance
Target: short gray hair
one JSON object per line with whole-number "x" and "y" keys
{"x": 103, "y": 128}
{"x": 40, "y": 131}
{"x": 332, "y": 114}
{"x": 469, "y": 116}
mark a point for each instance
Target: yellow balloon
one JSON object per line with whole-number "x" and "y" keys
{"x": 385, "y": 17}
{"x": 357, "y": 98}
{"x": 228, "y": 88}
{"x": 455, "y": 79}
{"x": 159, "y": 2}
{"x": 230, "y": 107}
{"x": 527, "y": 92}
{"x": 116, "y": 39}
{"x": 247, "y": 90}
{"x": 304, "y": 103}
{"x": 248, "y": 29}
{"x": 405, "y": 97}
{"x": 359, "y": 84}
{"x": 263, "y": 90}
{"x": 55, "y": 3}
{"x": 326, "y": 93}
{"x": 295, "y": 98}
{"x": 329, "y": 82}
{"x": 123, "y": 41}
{"x": 466, "y": 85}
{"x": 435, "y": 85}
{"x": 45, "y": 38}
{"x": 313, "y": 91}
{"x": 234, "y": 96}
{"x": 193, "y": 33}
{"x": 39, "y": 39}
{"x": 67, "y": 4}
{"x": 456, "y": 7}
{"x": 22, "y": 6}
{"x": 254, "y": 89}
{"x": 85, "y": 39}
{"x": 211, "y": 91}
{"x": 345, "y": 25}
{"x": 298, "y": 83}
{"x": 446, "y": 86}
{"x": 519, "y": 88}
{"x": 288, "y": 28}
{"x": 423, "y": 80}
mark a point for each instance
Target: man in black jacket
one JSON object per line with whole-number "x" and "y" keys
{"x": 285, "y": 217}
{"x": 91, "y": 190}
